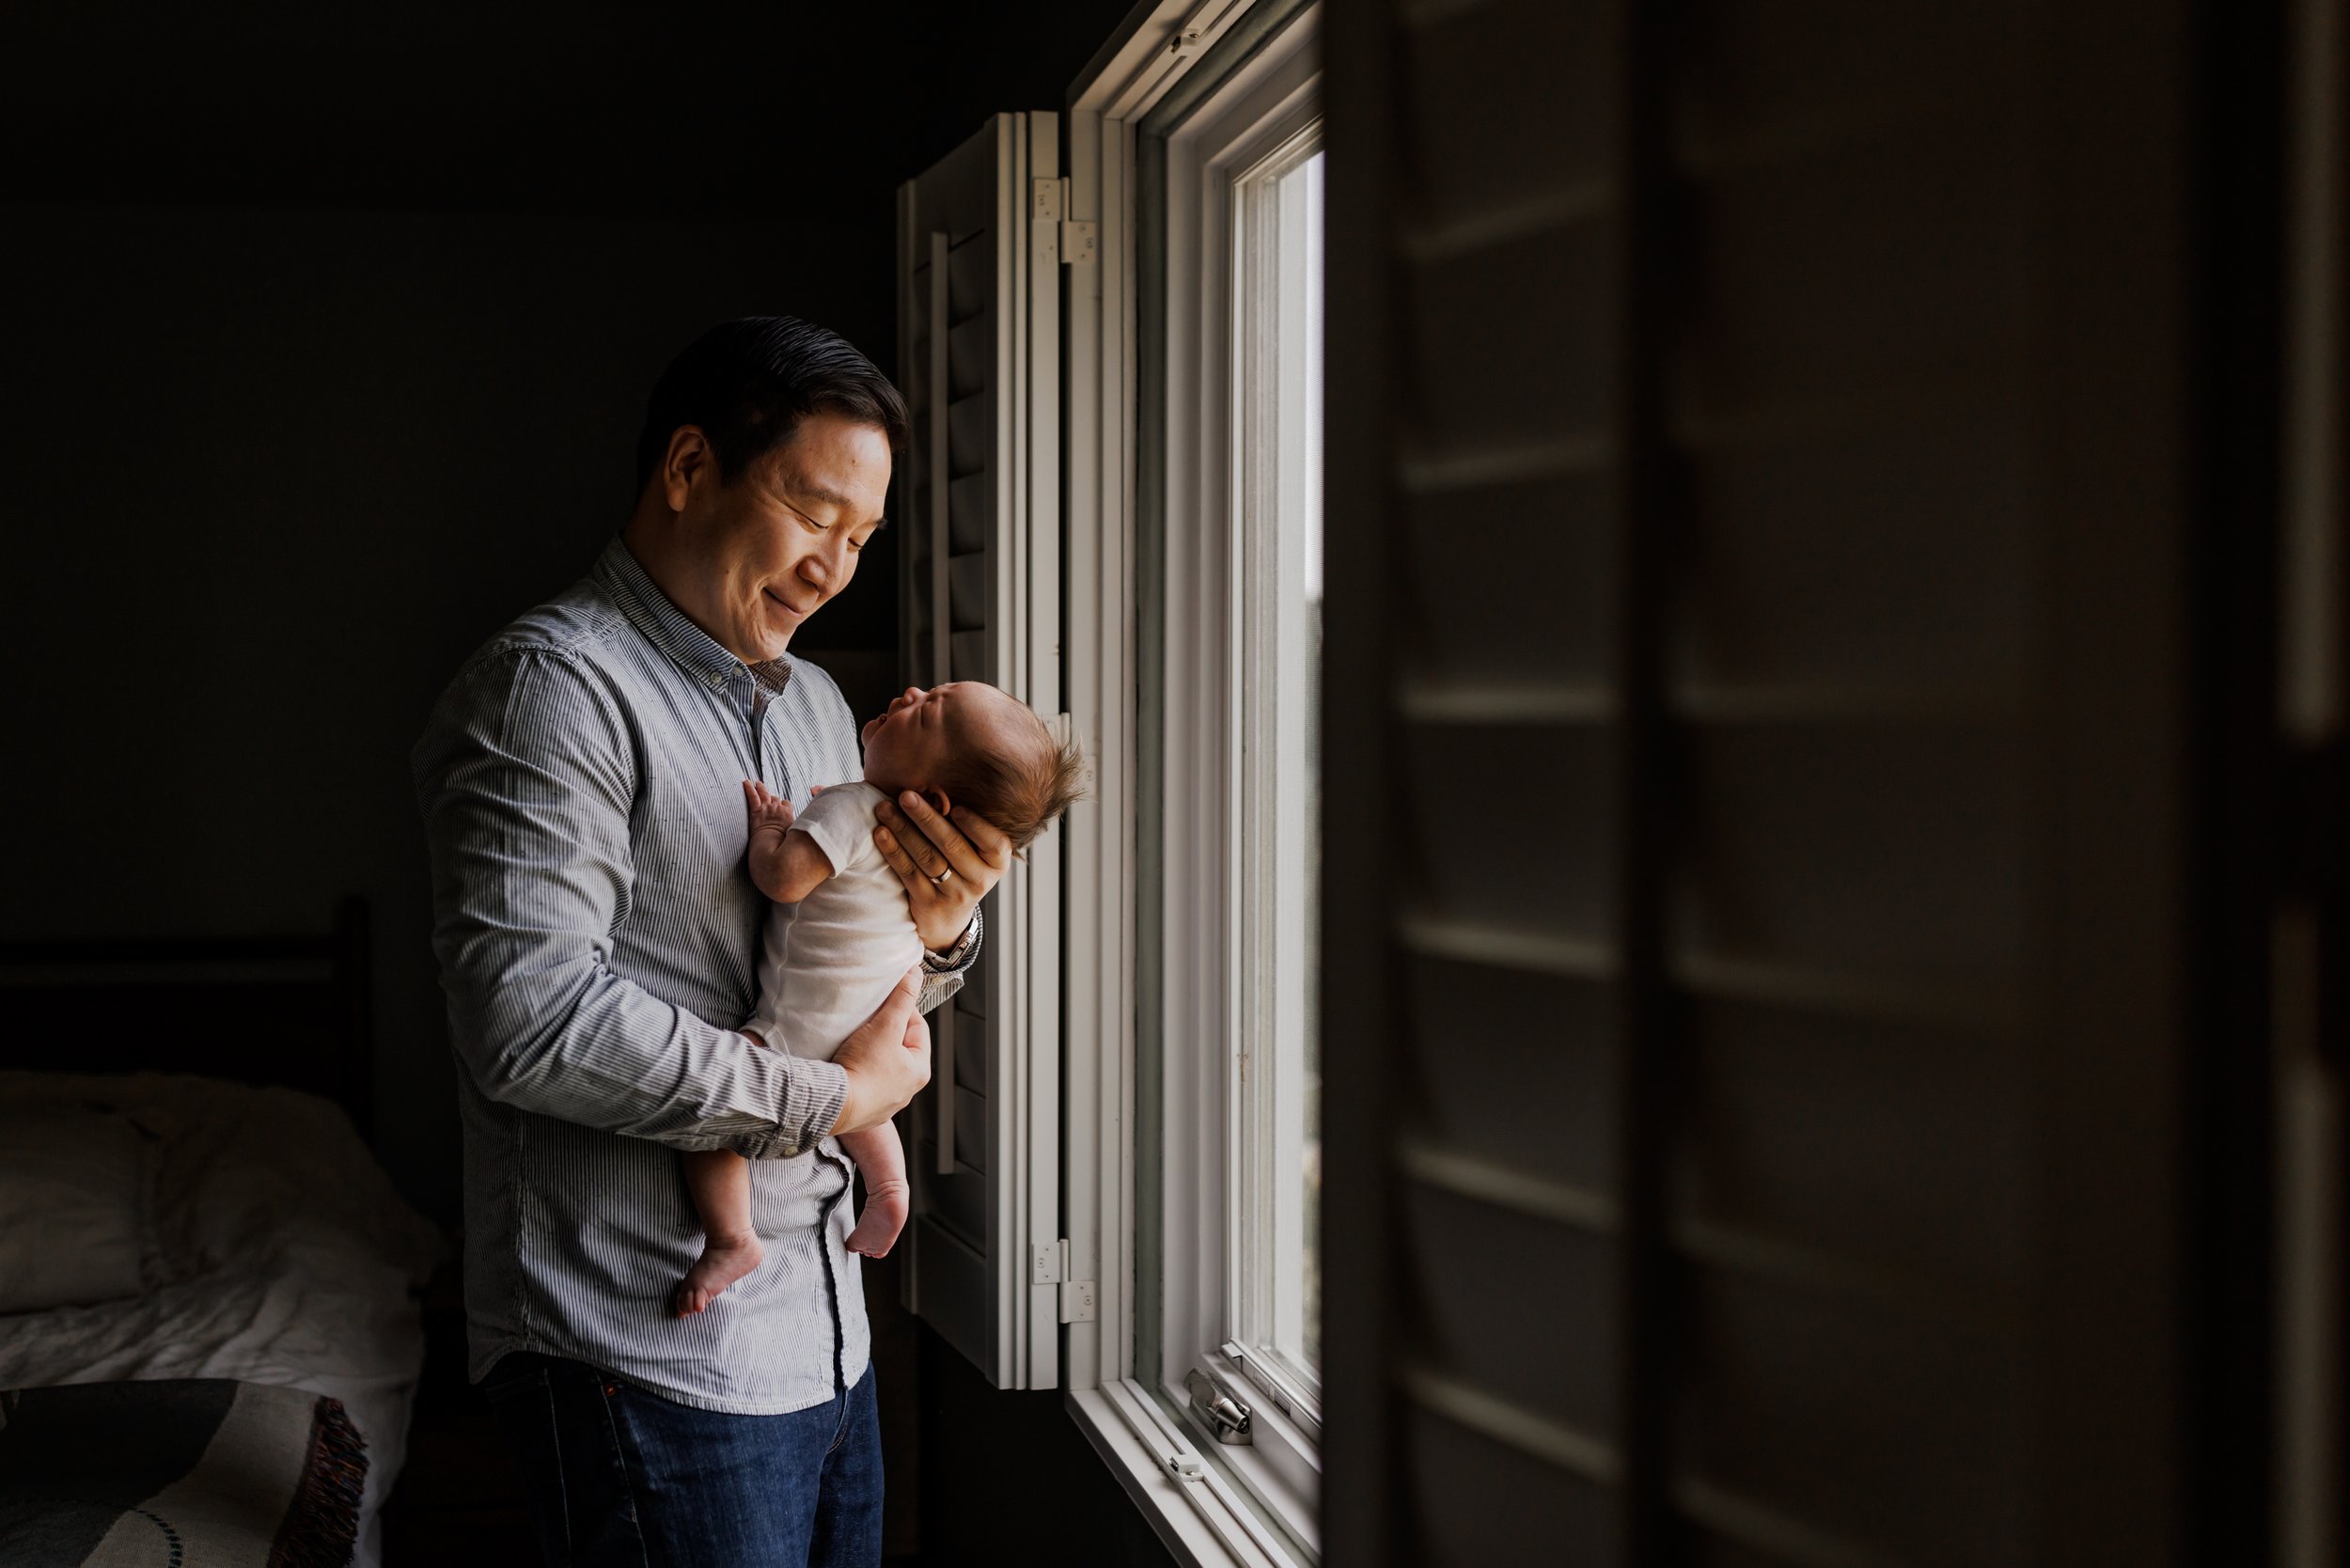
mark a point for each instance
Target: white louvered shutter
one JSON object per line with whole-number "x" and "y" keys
{"x": 978, "y": 500}
{"x": 1754, "y": 901}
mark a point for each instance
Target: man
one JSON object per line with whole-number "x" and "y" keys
{"x": 581, "y": 786}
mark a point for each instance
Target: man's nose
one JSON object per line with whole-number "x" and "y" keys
{"x": 828, "y": 568}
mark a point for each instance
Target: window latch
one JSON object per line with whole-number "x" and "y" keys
{"x": 1220, "y": 1410}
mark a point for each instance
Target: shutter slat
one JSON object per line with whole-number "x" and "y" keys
{"x": 1467, "y": 1176}
{"x": 1505, "y": 946}
{"x": 1513, "y": 1067}
{"x": 1775, "y": 1540}
{"x": 1508, "y": 341}
{"x": 1484, "y": 1481}
{"x": 1514, "y": 1306}
{"x": 1864, "y": 1424}
{"x": 1904, "y": 1301}
{"x": 1553, "y": 882}
{"x": 1991, "y": 1009}
{"x": 1476, "y": 464}
{"x": 1503, "y": 706}
{"x": 1519, "y": 1430}
{"x": 1543, "y": 216}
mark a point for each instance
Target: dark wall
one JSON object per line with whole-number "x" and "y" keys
{"x": 327, "y": 335}
{"x": 272, "y": 475}
{"x": 1007, "y": 1479}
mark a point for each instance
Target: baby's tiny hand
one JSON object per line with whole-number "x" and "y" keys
{"x": 768, "y": 809}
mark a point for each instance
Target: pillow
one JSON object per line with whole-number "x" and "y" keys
{"x": 76, "y": 1211}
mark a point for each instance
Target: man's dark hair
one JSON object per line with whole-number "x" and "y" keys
{"x": 747, "y": 383}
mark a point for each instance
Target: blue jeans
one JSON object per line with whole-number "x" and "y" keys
{"x": 615, "y": 1474}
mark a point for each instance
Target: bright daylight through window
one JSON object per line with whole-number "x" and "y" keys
{"x": 1277, "y": 267}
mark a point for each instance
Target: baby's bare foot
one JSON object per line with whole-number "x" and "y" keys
{"x": 881, "y": 1219}
{"x": 724, "y": 1260}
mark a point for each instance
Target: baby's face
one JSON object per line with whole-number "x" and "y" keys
{"x": 906, "y": 747}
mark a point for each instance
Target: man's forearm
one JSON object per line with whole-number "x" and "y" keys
{"x": 603, "y": 1053}
{"x": 957, "y": 955}
{"x": 943, "y": 972}
{"x": 860, "y": 1109}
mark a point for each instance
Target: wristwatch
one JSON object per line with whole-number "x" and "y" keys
{"x": 957, "y": 956}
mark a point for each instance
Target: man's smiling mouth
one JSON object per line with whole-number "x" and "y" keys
{"x": 784, "y": 603}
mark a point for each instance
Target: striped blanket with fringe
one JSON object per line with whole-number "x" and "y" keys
{"x": 198, "y": 1473}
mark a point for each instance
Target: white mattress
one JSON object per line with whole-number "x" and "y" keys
{"x": 287, "y": 1259}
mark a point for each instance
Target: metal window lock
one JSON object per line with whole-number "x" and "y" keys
{"x": 1219, "y": 1407}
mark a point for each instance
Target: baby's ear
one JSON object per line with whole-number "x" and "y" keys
{"x": 939, "y": 803}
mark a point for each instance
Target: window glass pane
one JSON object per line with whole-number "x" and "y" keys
{"x": 1279, "y": 370}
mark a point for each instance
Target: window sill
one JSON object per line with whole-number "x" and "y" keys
{"x": 1182, "y": 1492}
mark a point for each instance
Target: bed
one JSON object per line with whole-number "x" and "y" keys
{"x": 208, "y": 1334}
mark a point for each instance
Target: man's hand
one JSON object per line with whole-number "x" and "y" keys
{"x": 947, "y": 866}
{"x": 887, "y": 1059}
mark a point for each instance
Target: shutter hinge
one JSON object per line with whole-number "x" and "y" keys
{"x": 1073, "y": 245}
{"x": 1048, "y": 1264}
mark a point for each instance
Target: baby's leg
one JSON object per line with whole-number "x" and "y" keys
{"x": 719, "y": 1180}
{"x": 881, "y": 1159}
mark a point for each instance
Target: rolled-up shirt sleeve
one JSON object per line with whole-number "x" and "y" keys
{"x": 525, "y": 775}
{"x": 943, "y": 973}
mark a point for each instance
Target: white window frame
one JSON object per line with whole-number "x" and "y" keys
{"x": 1211, "y": 1503}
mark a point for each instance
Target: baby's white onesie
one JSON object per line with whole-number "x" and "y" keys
{"x": 833, "y": 958}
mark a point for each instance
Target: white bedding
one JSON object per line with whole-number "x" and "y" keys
{"x": 286, "y": 1258}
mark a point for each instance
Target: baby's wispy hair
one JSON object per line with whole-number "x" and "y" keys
{"x": 1022, "y": 787}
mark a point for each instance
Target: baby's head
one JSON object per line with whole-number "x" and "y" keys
{"x": 969, "y": 746}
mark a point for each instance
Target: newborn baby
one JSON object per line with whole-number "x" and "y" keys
{"x": 840, "y": 936}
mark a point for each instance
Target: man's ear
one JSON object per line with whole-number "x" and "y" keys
{"x": 688, "y": 460}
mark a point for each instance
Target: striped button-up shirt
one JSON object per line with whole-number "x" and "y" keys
{"x": 597, "y": 932}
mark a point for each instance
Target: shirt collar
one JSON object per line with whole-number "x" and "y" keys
{"x": 691, "y": 649}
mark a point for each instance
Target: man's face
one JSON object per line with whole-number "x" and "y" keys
{"x": 770, "y": 549}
